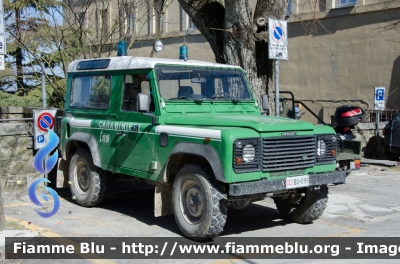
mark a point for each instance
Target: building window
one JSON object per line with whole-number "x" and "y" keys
{"x": 340, "y": 3}
{"x": 289, "y": 8}
{"x": 104, "y": 23}
{"x": 130, "y": 20}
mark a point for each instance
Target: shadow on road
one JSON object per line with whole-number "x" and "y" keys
{"x": 138, "y": 202}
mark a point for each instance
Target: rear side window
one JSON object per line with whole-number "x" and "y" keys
{"x": 91, "y": 91}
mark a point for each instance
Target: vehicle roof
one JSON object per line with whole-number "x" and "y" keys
{"x": 130, "y": 62}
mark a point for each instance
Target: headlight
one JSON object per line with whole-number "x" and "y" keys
{"x": 321, "y": 147}
{"x": 249, "y": 153}
{"x": 326, "y": 149}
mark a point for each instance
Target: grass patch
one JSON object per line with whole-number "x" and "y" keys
{"x": 13, "y": 225}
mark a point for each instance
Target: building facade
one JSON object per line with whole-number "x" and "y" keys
{"x": 339, "y": 50}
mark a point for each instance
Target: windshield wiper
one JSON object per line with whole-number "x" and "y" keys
{"x": 195, "y": 97}
{"x": 224, "y": 96}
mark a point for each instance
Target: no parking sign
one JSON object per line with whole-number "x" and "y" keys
{"x": 44, "y": 119}
{"x": 278, "y": 39}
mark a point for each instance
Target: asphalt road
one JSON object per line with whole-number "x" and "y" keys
{"x": 367, "y": 205}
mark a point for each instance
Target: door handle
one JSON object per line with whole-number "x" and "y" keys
{"x": 120, "y": 134}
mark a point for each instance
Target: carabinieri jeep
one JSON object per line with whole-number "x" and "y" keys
{"x": 195, "y": 130}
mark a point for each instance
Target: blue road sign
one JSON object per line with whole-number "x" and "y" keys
{"x": 380, "y": 94}
{"x": 278, "y": 33}
{"x": 379, "y": 102}
{"x": 40, "y": 139}
{"x": 45, "y": 121}
{"x": 277, "y": 39}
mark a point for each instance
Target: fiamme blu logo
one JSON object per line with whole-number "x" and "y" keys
{"x": 43, "y": 163}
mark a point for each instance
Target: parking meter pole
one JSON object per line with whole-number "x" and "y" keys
{"x": 378, "y": 116}
{"x": 276, "y": 73}
{"x": 43, "y": 91}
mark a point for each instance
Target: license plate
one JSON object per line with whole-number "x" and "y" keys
{"x": 298, "y": 181}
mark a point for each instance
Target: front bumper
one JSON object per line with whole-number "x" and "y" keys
{"x": 269, "y": 186}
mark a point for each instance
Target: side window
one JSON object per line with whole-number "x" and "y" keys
{"x": 133, "y": 85}
{"x": 91, "y": 92}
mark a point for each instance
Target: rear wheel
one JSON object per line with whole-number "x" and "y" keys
{"x": 392, "y": 155}
{"x": 304, "y": 205}
{"x": 199, "y": 203}
{"x": 87, "y": 182}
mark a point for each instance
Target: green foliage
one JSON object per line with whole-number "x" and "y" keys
{"x": 33, "y": 97}
{"x": 32, "y": 49}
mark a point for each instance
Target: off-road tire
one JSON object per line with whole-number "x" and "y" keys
{"x": 196, "y": 188}
{"x": 308, "y": 208}
{"x": 87, "y": 182}
{"x": 392, "y": 156}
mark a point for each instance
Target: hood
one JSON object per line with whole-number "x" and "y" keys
{"x": 258, "y": 123}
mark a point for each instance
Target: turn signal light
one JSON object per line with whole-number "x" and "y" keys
{"x": 207, "y": 139}
{"x": 357, "y": 164}
{"x": 238, "y": 161}
{"x": 333, "y": 152}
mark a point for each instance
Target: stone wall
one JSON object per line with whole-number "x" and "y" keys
{"x": 366, "y": 132}
{"x": 16, "y": 150}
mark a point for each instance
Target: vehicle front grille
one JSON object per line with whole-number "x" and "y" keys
{"x": 288, "y": 153}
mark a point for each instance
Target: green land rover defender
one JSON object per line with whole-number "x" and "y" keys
{"x": 195, "y": 130}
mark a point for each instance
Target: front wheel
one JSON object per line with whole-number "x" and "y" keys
{"x": 199, "y": 203}
{"x": 87, "y": 183}
{"x": 304, "y": 205}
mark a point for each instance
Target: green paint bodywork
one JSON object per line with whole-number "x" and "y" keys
{"x": 128, "y": 142}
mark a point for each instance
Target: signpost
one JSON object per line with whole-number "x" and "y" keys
{"x": 2, "y": 63}
{"x": 379, "y": 104}
{"x": 3, "y": 49}
{"x": 277, "y": 50}
{"x": 43, "y": 119}
{"x": 379, "y": 101}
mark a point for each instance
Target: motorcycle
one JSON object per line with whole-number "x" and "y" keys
{"x": 346, "y": 118}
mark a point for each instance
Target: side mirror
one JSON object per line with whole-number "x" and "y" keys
{"x": 265, "y": 103}
{"x": 142, "y": 102}
{"x": 143, "y": 105}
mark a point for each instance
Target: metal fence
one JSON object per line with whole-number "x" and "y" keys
{"x": 384, "y": 116}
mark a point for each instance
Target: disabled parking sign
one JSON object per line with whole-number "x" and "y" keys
{"x": 44, "y": 120}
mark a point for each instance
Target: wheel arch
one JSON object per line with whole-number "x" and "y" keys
{"x": 184, "y": 153}
{"x": 82, "y": 140}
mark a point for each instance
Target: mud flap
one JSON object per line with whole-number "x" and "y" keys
{"x": 62, "y": 173}
{"x": 163, "y": 200}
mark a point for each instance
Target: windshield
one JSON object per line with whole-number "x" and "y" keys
{"x": 188, "y": 82}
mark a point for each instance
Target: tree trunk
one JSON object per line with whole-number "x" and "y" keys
{"x": 235, "y": 39}
{"x": 18, "y": 55}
